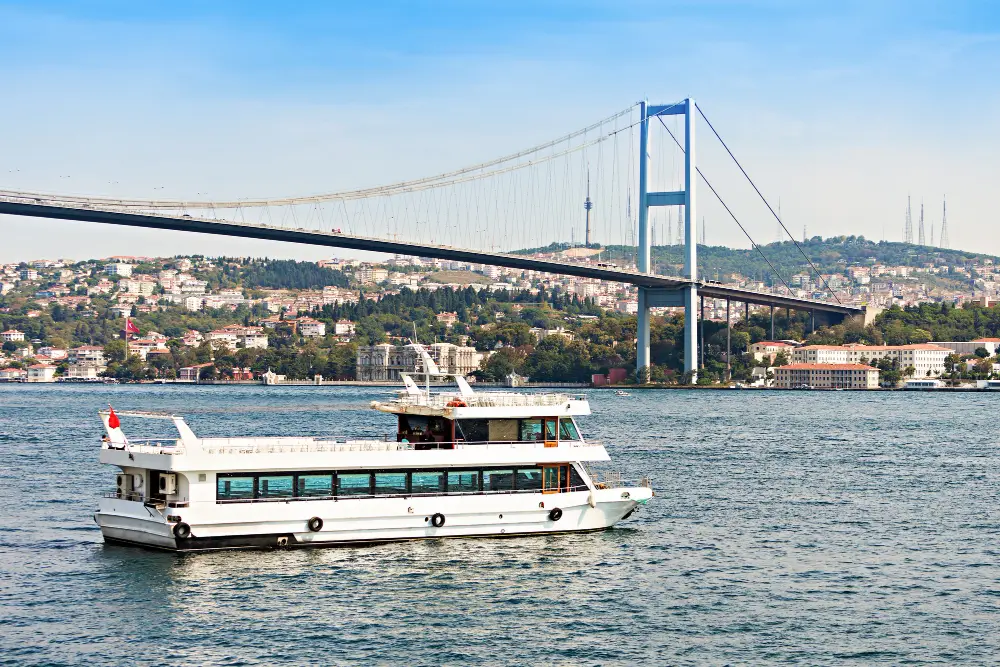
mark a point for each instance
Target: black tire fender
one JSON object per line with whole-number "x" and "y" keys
{"x": 437, "y": 520}
{"x": 555, "y": 514}
{"x": 315, "y": 524}
{"x": 182, "y": 531}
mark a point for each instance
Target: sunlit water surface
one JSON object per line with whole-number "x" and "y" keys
{"x": 818, "y": 528}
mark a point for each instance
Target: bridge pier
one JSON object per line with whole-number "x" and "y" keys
{"x": 729, "y": 346}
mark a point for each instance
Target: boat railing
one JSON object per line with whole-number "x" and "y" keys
{"x": 230, "y": 446}
{"x": 148, "y": 446}
{"x": 486, "y": 400}
{"x": 613, "y": 479}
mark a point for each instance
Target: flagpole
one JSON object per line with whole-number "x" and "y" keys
{"x": 126, "y": 338}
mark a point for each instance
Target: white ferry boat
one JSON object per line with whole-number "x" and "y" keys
{"x": 460, "y": 464}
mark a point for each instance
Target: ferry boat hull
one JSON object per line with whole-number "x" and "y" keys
{"x": 346, "y": 523}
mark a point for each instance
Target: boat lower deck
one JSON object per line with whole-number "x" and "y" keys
{"x": 359, "y": 522}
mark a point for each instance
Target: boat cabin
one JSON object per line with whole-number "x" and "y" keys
{"x": 441, "y": 432}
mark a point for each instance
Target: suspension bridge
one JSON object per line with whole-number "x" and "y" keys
{"x": 490, "y": 212}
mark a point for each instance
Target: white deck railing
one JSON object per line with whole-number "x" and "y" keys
{"x": 484, "y": 400}
{"x": 237, "y": 446}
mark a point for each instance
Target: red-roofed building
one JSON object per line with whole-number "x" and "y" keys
{"x": 826, "y": 376}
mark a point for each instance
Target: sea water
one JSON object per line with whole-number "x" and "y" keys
{"x": 807, "y": 527}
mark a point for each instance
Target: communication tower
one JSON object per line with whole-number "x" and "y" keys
{"x": 944, "y": 224}
{"x": 908, "y": 226}
{"x": 920, "y": 227}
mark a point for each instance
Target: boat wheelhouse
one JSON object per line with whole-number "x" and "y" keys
{"x": 460, "y": 464}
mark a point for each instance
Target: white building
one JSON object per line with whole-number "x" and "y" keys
{"x": 826, "y": 376}
{"x": 118, "y": 269}
{"x": 311, "y": 328}
{"x": 970, "y": 347}
{"x": 769, "y": 349}
{"x": 385, "y": 362}
{"x": 41, "y": 373}
{"x": 84, "y": 372}
{"x": 926, "y": 358}
{"x": 343, "y": 328}
{"x": 142, "y": 286}
{"x": 12, "y": 336}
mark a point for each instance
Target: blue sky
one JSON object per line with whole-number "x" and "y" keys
{"x": 841, "y": 109}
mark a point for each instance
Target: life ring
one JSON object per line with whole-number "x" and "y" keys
{"x": 457, "y": 404}
{"x": 182, "y": 531}
{"x": 437, "y": 520}
{"x": 315, "y": 524}
{"x": 555, "y": 514}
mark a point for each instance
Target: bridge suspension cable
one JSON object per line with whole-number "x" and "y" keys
{"x": 465, "y": 174}
{"x": 728, "y": 210}
{"x": 766, "y": 203}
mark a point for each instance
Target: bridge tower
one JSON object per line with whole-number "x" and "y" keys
{"x": 686, "y": 296}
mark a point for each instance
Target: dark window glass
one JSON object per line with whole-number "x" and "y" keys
{"x": 235, "y": 488}
{"x": 390, "y": 483}
{"x": 576, "y": 482}
{"x": 463, "y": 481}
{"x": 531, "y": 430}
{"x": 353, "y": 484}
{"x": 274, "y": 486}
{"x": 550, "y": 429}
{"x": 567, "y": 430}
{"x": 474, "y": 430}
{"x": 551, "y": 477}
{"x": 315, "y": 486}
{"x": 529, "y": 479}
{"x": 428, "y": 482}
{"x": 498, "y": 480}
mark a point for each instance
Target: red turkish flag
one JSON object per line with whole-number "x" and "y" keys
{"x": 129, "y": 327}
{"x": 113, "y": 421}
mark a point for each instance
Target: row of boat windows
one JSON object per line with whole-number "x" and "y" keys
{"x": 236, "y": 486}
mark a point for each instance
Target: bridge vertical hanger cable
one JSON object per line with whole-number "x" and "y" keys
{"x": 766, "y": 203}
{"x": 729, "y": 211}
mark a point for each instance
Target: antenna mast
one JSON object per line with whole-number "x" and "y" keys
{"x": 944, "y": 223}
{"x": 920, "y": 227}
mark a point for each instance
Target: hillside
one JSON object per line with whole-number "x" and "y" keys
{"x": 830, "y": 255}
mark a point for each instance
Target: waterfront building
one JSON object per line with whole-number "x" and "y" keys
{"x": 769, "y": 349}
{"x": 926, "y": 358}
{"x": 12, "y": 375}
{"x": 41, "y": 373}
{"x": 84, "y": 371}
{"x": 992, "y": 345}
{"x": 386, "y": 362}
{"x": 826, "y": 376}
{"x": 236, "y": 335}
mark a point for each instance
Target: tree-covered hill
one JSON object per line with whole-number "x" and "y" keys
{"x": 830, "y": 255}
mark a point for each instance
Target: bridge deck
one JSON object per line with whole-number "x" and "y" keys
{"x": 43, "y": 209}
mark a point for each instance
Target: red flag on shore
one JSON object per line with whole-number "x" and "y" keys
{"x": 113, "y": 418}
{"x": 129, "y": 327}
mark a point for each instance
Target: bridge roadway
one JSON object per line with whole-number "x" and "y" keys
{"x": 185, "y": 223}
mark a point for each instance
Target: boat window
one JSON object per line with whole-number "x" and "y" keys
{"x": 463, "y": 481}
{"x": 315, "y": 486}
{"x": 474, "y": 430}
{"x": 390, "y": 483}
{"x": 498, "y": 480}
{"x": 531, "y": 430}
{"x": 274, "y": 486}
{"x": 424, "y": 429}
{"x": 550, "y": 429}
{"x": 354, "y": 484}
{"x": 235, "y": 488}
{"x": 529, "y": 479}
{"x": 503, "y": 430}
{"x": 567, "y": 430}
{"x": 551, "y": 477}
{"x": 426, "y": 481}
{"x": 576, "y": 482}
